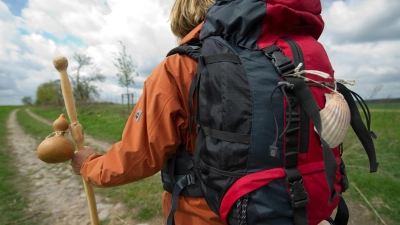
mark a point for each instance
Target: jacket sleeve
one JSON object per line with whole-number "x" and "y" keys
{"x": 152, "y": 133}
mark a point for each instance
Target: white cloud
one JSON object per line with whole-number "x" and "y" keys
{"x": 363, "y": 20}
{"x": 48, "y": 29}
{"x": 360, "y": 36}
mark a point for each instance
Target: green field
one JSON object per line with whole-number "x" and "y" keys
{"x": 379, "y": 188}
{"x": 101, "y": 121}
{"x": 106, "y": 122}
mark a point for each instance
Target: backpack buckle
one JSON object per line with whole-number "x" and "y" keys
{"x": 190, "y": 179}
{"x": 298, "y": 194}
{"x": 283, "y": 65}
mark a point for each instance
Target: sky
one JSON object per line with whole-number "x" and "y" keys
{"x": 361, "y": 37}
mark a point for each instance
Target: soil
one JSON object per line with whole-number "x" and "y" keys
{"x": 57, "y": 196}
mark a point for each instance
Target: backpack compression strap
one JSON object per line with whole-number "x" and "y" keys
{"x": 285, "y": 65}
{"x": 299, "y": 196}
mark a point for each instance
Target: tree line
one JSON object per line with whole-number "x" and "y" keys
{"x": 84, "y": 87}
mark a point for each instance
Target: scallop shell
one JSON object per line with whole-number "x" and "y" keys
{"x": 335, "y": 119}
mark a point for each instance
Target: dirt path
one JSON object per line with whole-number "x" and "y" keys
{"x": 56, "y": 195}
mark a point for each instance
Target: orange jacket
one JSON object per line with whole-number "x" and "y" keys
{"x": 154, "y": 131}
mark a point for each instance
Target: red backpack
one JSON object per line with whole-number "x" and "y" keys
{"x": 270, "y": 117}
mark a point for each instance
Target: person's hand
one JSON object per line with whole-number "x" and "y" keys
{"x": 78, "y": 159}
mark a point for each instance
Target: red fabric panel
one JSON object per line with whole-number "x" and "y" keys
{"x": 319, "y": 208}
{"x": 311, "y": 6}
{"x": 253, "y": 181}
{"x": 290, "y": 17}
{"x": 245, "y": 185}
{"x": 315, "y": 59}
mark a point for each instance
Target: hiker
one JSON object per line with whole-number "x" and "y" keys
{"x": 158, "y": 124}
{"x": 231, "y": 123}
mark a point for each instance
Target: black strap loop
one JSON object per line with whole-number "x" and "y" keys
{"x": 223, "y": 57}
{"x": 178, "y": 178}
{"x": 178, "y": 187}
{"x": 226, "y": 136}
{"x": 359, "y": 128}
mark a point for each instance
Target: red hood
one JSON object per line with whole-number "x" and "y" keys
{"x": 310, "y": 6}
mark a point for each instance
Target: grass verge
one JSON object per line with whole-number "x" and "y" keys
{"x": 101, "y": 121}
{"x": 143, "y": 197}
{"x": 12, "y": 203}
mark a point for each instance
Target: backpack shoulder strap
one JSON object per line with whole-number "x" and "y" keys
{"x": 191, "y": 49}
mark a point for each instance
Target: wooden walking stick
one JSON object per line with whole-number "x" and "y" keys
{"x": 61, "y": 64}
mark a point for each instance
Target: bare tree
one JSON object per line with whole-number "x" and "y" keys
{"x": 90, "y": 90}
{"x": 83, "y": 87}
{"x": 126, "y": 69}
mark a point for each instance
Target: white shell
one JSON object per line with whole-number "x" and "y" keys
{"x": 335, "y": 119}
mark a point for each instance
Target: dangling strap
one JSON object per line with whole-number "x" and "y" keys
{"x": 359, "y": 128}
{"x": 342, "y": 214}
{"x": 178, "y": 178}
{"x": 178, "y": 187}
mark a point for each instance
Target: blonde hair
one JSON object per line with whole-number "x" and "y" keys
{"x": 188, "y": 14}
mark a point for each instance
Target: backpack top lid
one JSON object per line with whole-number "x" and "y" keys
{"x": 256, "y": 24}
